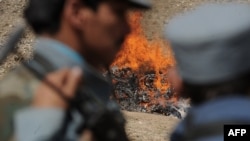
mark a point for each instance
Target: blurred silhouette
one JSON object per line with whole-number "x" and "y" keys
{"x": 86, "y": 34}
{"x": 211, "y": 47}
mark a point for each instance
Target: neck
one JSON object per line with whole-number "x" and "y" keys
{"x": 67, "y": 37}
{"x": 71, "y": 39}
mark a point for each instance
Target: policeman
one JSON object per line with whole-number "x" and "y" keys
{"x": 72, "y": 32}
{"x": 211, "y": 47}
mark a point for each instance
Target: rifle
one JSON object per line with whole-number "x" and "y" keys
{"x": 101, "y": 115}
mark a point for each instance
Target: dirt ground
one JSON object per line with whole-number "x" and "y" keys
{"x": 140, "y": 126}
{"x": 149, "y": 127}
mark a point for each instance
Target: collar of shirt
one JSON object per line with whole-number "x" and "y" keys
{"x": 64, "y": 49}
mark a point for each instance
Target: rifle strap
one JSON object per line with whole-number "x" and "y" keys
{"x": 61, "y": 134}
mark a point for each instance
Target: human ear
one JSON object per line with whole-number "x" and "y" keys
{"x": 74, "y": 13}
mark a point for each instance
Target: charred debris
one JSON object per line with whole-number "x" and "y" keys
{"x": 136, "y": 91}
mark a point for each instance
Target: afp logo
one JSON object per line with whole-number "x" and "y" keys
{"x": 237, "y": 132}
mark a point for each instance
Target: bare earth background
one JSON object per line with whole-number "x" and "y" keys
{"x": 140, "y": 126}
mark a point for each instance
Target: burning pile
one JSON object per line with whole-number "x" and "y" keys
{"x": 139, "y": 74}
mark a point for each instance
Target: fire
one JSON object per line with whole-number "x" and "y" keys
{"x": 139, "y": 52}
{"x": 144, "y": 57}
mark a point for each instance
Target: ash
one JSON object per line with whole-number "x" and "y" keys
{"x": 136, "y": 91}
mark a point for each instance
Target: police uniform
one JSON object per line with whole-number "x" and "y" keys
{"x": 211, "y": 45}
{"x": 17, "y": 89}
{"x": 20, "y": 122}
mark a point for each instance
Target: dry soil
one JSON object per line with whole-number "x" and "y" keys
{"x": 140, "y": 126}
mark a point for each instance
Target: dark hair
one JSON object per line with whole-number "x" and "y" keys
{"x": 45, "y": 15}
{"x": 201, "y": 93}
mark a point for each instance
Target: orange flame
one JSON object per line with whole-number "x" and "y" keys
{"x": 143, "y": 56}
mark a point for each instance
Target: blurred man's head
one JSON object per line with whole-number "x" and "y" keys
{"x": 211, "y": 46}
{"x": 94, "y": 28}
